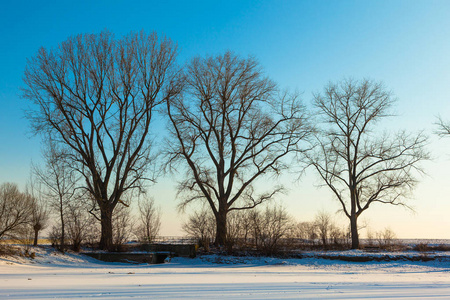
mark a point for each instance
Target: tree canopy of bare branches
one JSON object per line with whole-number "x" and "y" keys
{"x": 15, "y": 211}
{"x": 231, "y": 126}
{"x": 95, "y": 96}
{"x": 359, "y": 166}
{"x": 443, "y": 127}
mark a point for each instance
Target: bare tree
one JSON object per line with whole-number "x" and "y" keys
{"x": 230, "y": 127}
{"x": 385, "y": 238}
{"x": 443, "y": 127}
{"x": 39, "y": 216}
{"x": 123, "y": 227}
{"x": 270, "y": 227}
{"x": 323, "y": 223}
{"x": 238, "y": 228}
{"x": 339, "y": 236}
{"x": 60, "y": 182}
{"x": 80, "y": 224}
{"x": 200, "y": 225}
{"x": 95, "y": 96}
{"x": 150, "y": 220}
{"x": 15, "y": 211}
{"x": 358, "y": 166}
{"x": 306, "y": 231}
{"x": 39, "y": 208}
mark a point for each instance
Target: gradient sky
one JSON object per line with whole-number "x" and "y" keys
{"x": 301, "y": 44}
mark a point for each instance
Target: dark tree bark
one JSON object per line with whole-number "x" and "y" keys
{"x": 36, "y": 228}
{"x": 221, "y": 227}
{"x": 443, "y": 128}
{"x": 354, "y": 231}
{"x": 95, "y": 96}
{"x": 62, "y": 240}
{"x": 231, "y": 126}
{"x": 359, "y": 167}
{"x": 107, "y": 228}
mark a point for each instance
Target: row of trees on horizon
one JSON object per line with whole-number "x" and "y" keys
{"x": 93, "y": 98}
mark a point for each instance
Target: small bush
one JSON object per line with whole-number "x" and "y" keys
{"x": 8, "y": 250}
{"x": 385, "y": 239}
{"x": 442, "y": 247}
{"x": 201, "y": 226}
{"x": 421, "y": 247}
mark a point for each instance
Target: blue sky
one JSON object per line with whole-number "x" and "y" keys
{"x": 301, "y": 44}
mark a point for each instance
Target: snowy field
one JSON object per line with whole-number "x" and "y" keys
{"x": 53, "y": 276}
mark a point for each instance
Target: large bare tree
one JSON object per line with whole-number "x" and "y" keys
{"x": 359, "y": 165}
{"x": 231, "y": 126}
{"x": 95, "y": 96}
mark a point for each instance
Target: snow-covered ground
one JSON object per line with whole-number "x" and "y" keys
{"x": 51, "y": 275}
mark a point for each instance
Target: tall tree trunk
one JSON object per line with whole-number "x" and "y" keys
{"x": 354, "y": 231}
{"x": 354, "y": 215}
{"x": 106, "y": 241}
{"x": 221, "y": 227}
{"x": 63, "y": 235}
{"x": 37, "y": 228}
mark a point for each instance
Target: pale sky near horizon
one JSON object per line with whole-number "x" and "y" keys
{"x": 302, "y": 45}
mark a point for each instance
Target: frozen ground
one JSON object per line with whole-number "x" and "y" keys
{"x": 52, "y": 275}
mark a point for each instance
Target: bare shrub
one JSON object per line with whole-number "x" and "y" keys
{"x": 149, "y": 220}
{"x": 323, "y": 232}
{"x": 270, "y": 227}
{"x": 201, "y": 226}
{"x": 323, "y": 224}
{"x": 79, "y": 224}
{"x": 442, "y": 247}
{"x": 239, "y": 228}
{"x": 9, "y": 250}
{"x": 422, "y": 247}
{"x": 80, "y": 229}
{"x": 306, "y": 232}
{"x": 235, "y": 228}
{"x": 123, "y": 226}
{"x": 370, "y": 238}
{"x": 339, "y": 237}
{"x": 54, "y": 235}
{"x": 385, "y": 239}
{"x": 92, "y": 236}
